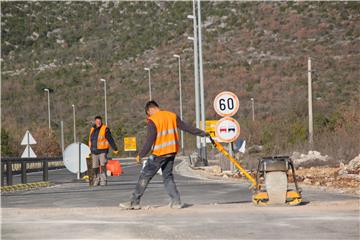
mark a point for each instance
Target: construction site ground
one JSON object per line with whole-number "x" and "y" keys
{"x": 216, "y": 209}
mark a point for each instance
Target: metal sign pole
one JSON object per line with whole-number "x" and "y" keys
{"x": 62, "y": 136}
{"x": 78, "y": 175}
{"x": 28, "y": 143}
{"x": 232, "y": 166}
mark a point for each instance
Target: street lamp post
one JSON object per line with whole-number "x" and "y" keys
{"x": 73, "y": 106}
{"x": 148, "y": 69}
{"x": 201, "y": 81}
{"x": 48, "y": 90}
{"x": 181, "y": 105}
{"x": 196, "y": 77}
{"x": 103, "y": 80}
{"x": 252, "y": 109}
{"x": 311, "y": 127}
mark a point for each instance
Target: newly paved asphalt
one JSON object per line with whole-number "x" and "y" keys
{"x": 216, "y": 210}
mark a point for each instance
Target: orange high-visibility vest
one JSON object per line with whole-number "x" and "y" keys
{"x": 102, "y": 142}
{"x": 167, "y": 140}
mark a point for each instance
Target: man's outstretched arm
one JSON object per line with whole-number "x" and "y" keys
{"x": 187, "y": 128}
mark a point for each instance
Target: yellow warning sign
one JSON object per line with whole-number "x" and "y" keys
{"x": 210, "y": 126}
{"x": 129, "y": 144}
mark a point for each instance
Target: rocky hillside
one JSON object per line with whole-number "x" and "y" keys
{"x": 254, "y": 49}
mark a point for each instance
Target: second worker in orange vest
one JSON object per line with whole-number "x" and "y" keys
{"x": 100, "y": 140}
{"x": 163, "y": 139}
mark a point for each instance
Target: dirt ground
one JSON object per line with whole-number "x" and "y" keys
{"x": 330, "y": 178}
{"x": 324, "y": 177}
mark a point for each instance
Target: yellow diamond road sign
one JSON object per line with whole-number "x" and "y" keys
{"x": 129, "y": 144}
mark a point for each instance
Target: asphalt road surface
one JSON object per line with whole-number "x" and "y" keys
{"x": 215, "y": 210}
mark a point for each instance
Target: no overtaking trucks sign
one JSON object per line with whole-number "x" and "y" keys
{"x": 227, "y": 129}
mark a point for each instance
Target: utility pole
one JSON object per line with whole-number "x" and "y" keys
{"x": 253, "y": 109}
{"x": 181, "y": 105}
{"x": 74, "y": 119}
{"x": 201, "y": 74}
{"x": 103, "y": 80}
{"x": 311, "y": 126}
{"x": 148, "y": 70}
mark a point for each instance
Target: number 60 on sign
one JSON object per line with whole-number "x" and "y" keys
{"x": 226, "y": 104}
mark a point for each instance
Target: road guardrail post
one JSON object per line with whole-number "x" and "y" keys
{"x": 9, "y": 174}
{"x": 45, "y": 171}
{"x": 23, "y": 173}
{"x": 2, "y": 173}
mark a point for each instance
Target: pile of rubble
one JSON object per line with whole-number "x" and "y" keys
{"x": 345, "y": 177}
{"x": 312, "y": 159}
{"x": 351, "y": 170}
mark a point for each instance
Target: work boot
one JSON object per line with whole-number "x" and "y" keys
{"x": 96, "y": 180}
{"x": 103, "y": 179}
{"x": 130, "y": 206}
{"x": 176, "y": 205}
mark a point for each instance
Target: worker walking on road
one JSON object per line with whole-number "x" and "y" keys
{"x": 162, "y": 138}
{"x": 100, "y": 140}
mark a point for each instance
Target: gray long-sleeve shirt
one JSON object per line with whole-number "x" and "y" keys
{"x": 152, "y": 133}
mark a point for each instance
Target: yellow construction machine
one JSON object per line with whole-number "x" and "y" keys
{"x": 270, "y": 186}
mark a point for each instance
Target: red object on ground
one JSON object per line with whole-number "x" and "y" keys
{"x": 114, "y": 167}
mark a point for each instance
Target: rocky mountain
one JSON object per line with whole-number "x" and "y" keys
{"x": 255, "y": 49}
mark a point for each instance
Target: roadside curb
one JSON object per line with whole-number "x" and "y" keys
{"x": 27, "y": 186}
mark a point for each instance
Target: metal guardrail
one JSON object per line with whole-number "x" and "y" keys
{"x": 9, "y": 161}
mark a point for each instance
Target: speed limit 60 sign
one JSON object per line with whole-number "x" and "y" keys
{"x": 226, "y": 104}
{"x": 227, "y": 129}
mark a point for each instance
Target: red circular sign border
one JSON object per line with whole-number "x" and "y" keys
{"x": 236, "y": 99}
{"x": 230, "y": 119}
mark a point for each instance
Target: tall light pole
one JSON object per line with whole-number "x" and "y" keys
{"x": 311, "y": 127}
{"x": 252, "y": 108}
{"x": 199, "y": 83}
{"x": 181, "y": 105}
{"x": 196, "y": 77}
{"x": 73, "y": 106}
{"x": 148, "y": 70}
{"x": 201, "y": 78}
{"x": 48, "y": 90}
{"x": 103, "y": 80}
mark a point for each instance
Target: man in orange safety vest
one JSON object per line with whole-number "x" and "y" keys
{"x": 100, "y": 140}
{"x": 163, "y": 139}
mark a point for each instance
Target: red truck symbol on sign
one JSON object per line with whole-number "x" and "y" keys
{"x": 223, "y": 130}
{"x": 227, "y": 130}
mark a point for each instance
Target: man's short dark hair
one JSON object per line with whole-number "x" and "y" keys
{"x": 98, "y": 117}
{"x": 150, "y": 104}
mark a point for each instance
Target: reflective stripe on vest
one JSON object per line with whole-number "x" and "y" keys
{"x": 167, "y": 135}
{"x": 169, "y": 131}
{"x": 165, "y": 144}
{"x": 102, "y": 142}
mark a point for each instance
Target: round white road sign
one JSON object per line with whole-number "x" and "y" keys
{"x": 71, "y": 157}
{"x": 227, "y": 129}
{"x": 226, "y": 104}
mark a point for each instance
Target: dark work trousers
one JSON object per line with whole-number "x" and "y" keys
{"x": 153, "y": 164}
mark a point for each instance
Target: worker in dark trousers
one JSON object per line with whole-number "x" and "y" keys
{"x": 162, "y": 138}
{"x": 100, "y": 140}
